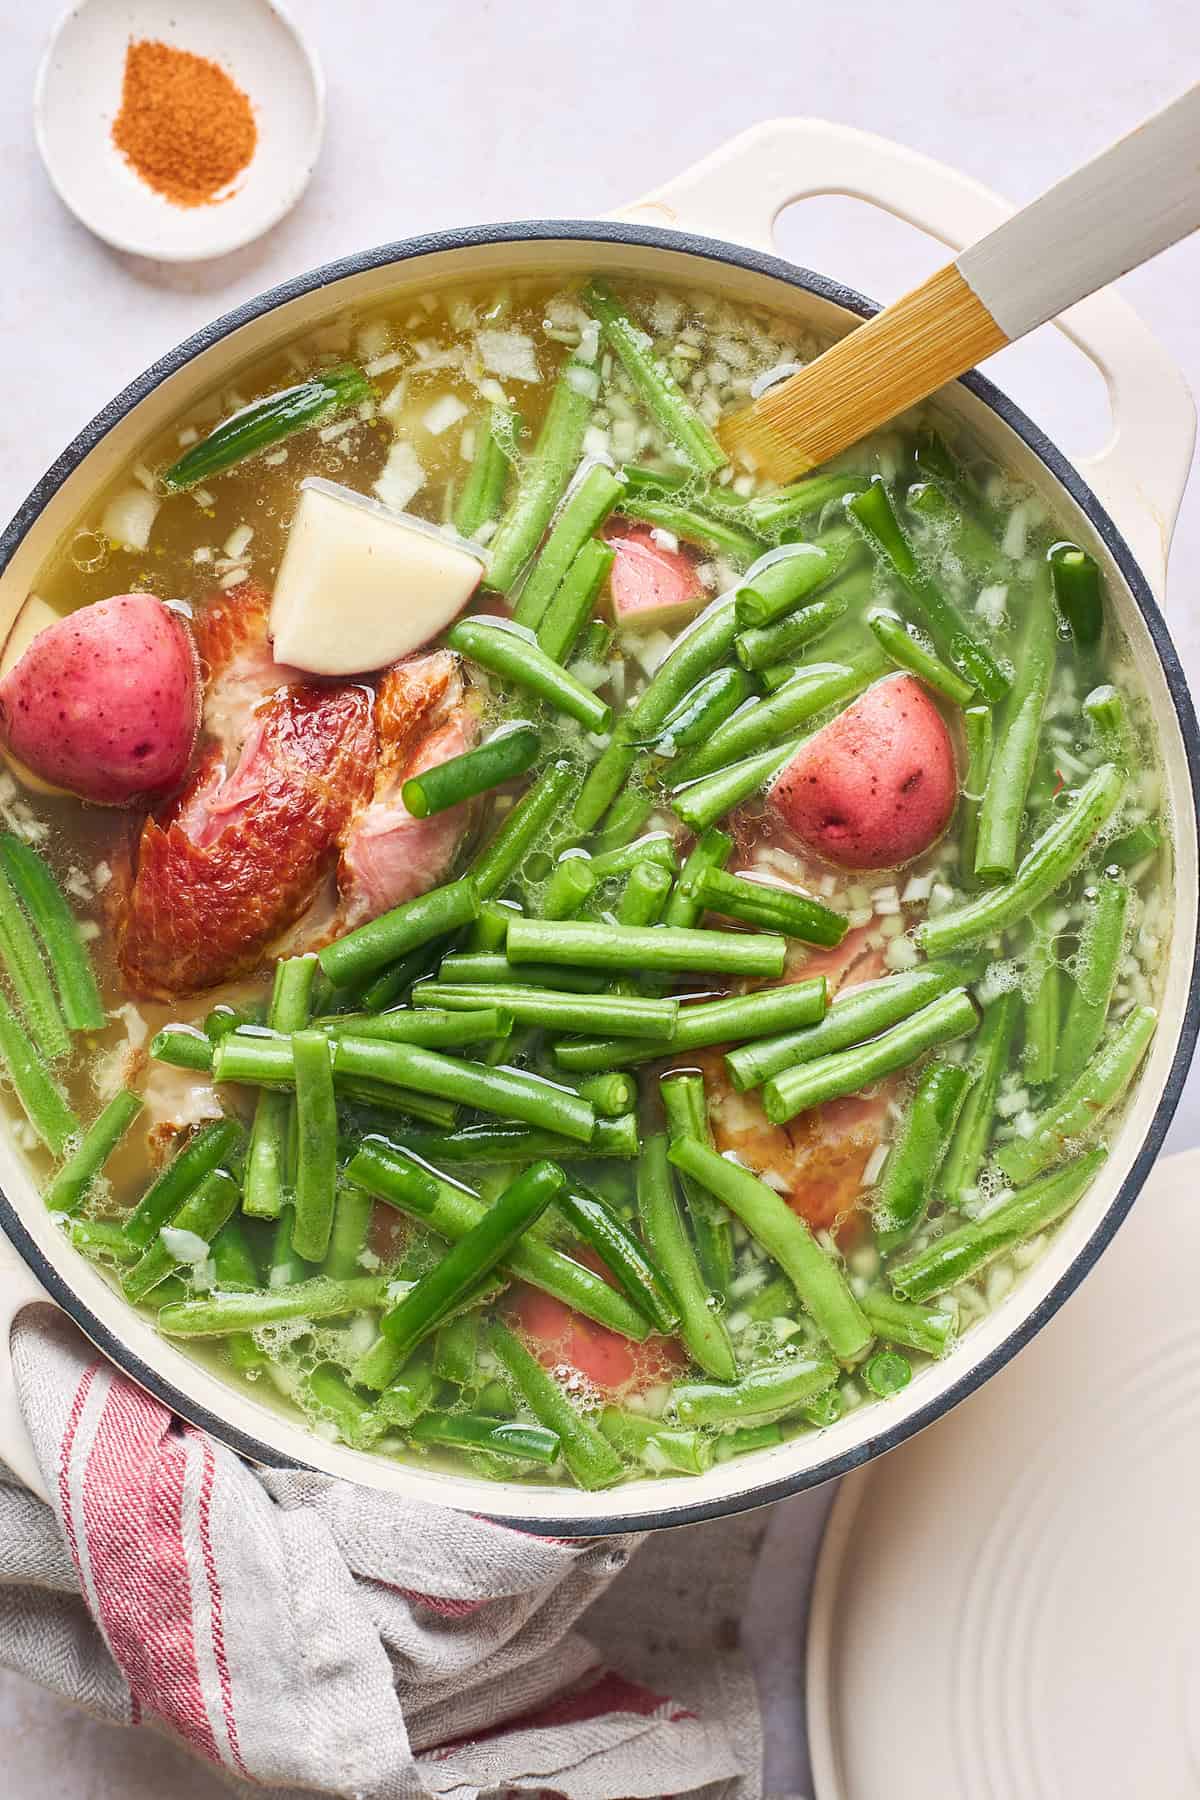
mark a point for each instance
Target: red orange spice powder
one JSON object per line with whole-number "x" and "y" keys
{"x": 184, "y": 126}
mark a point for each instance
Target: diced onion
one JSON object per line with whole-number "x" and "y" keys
{"x": 129, "y": 517}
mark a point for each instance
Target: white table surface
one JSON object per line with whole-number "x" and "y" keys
{"x": 443, "y": 115}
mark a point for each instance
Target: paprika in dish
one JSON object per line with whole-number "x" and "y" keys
{"x": 184, "y": 125}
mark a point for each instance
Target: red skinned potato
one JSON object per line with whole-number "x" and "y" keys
{"x": 652, "y": 589}
{"x": 878, "y": 785}
{"x": 106, "y": 703}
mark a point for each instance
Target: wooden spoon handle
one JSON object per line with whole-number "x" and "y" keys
{"x": 1135, "y": 199}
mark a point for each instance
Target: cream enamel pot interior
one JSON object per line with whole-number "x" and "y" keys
{"x": 712, "y": 226}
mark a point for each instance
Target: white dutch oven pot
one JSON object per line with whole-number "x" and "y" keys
{"x": 713, "y": 227}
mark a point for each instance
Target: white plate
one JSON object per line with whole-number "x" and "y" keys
{"x": 1005, "y": 1608}
{"x": 78, "y": 94}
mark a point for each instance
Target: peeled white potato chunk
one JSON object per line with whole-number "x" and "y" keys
{"x": 360, "y": 585}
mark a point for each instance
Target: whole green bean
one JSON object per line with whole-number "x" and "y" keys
{"x": 632, "y": 1015}
{"x": 1097, "y": 960}
{"x": 990, "y": 1057}
{"x": 202, "y": 1214}
{"x": 1095, "y": 1091}
{"x": 1017, "y": 742}
{"x": 590, "y": 1458}
{"x": 770, "y": 906}
{"x": 802, "y": 501}
{"x": 595, "y": 492}
{"x": 572, "y": 606}
{"x": 659, "y": 391}
{"x": 904, "y": 1322}
{"x": 546, "y": 472}
{"x": 1050, "y": 861}
{"x": 590, "y": 944}
{"x": 661, "y": 1448}
{"x": 702, "y": 1024}
{"x": 598, "y": 1226}
{"x": 809, "y": 1084}
{"x": 35, "y": 1087}
{"x": 495, "y": 450}
{"x": 267, "y": 421}
{"x": 912, "y": 1165}
{"x": 451, "y": 1211}
{"x": 906, "y": 652}
{"x": 963, "y": 1252}
{"x": 509, "y": 753}
{"x": 685, "y": 1107}
{"x": 766, "y": 1393}
{"x": 494, "y": 1437}
{"x": 446, "y": 1286}
{"x": 527, "y": 825}
{"x": 211, "y": 1146}
{"x": 701, "y": 1327}
{"x": 860, "y": 1013}
{"x": 508, "y": 650}
{"x": 979, "y": 733}
{"x": 393, "y": 934}
{"x": 58, "y": 929}
{"x": 817, "y": 1278}
{"x": 72, "y": 1181}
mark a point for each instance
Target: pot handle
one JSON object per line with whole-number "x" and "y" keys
{"x": 19, "y": 1288}
{"x": 738, "y": 191}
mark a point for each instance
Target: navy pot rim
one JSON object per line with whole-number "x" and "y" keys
{"x": 1058, "y": 465}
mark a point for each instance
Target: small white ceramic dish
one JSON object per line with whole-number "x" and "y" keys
{"x": 78, "y": 94}
{"x": 1005, "y": 1608}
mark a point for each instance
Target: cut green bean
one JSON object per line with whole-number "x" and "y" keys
{"x": 916, "y": 1156}
{"x": 817, "y": 1278}
{"x": 765, "y": 646}
{"x": 1108, "y": 717}
{"x": 427, "y": 1026}
{"x": 1077, "y": 589}
{"x": 701, "y": 1326}
{"x": 102, "y": 1239}
{"x": 610, "y": 1094}
{"x": 1016, "y": 748}
{"x": 703, "y": 802}
{"x": 527, "y": 825}
{"x": 766, "y": 1393}
{"x": 589, "y": 1457}
{"x": 495, "y": 451}
{"x": 201, "y": 1217}
{"x": 802, "y": 502}
{"x": 703, "y": 1023}
{"x": 632, "y": 1015}
{"x": 990, "y": 1056}
{"x": 657, "y": 847}
{"x": 509, "y": 753}
{"x": 575, "y": 601}
{"x": 348, "y": 1239}
{"x": 546, "y": 472}
{"x": 70, "y": 1184}
{"x": 630, "y": 948}
{"x": 183, "y": 1046}
{"x": 979, "y": 733}
{"x": 58, "y": 929}
{"x": 41, "y": 1099}
{"x": 508, "y": 650}
{"x": 451, "y": 1211}
{"x": 659, "y": 1447}
{"x": 713, "y": 700}
{"x": 266, "y": 1159}
{"x": 777, "y": 584}
{"x": 660, "y": 392}
{"x": 232, "y": 1259}
{"x": 860, "y": 1013}
{"x": 393, "y": 934}
{"x": 962, "y": 1252}
{"x": 598, "y": 1226}
{"x": 954, "y": 638}
{"x": 1043, "y": 1021}
{"x": 510, "y": 1438}
{"x": 316, "y": 1159}
{"x": 1094, "y": 1092}
{"x": 357, "y": 1420}
{"x": 810, "y": 1084}
{"x": 447, "y": 1285}
{"x": 404, "y": 1400}
{"x": 711, "y": 850}
{"x": 904, "y": 1322}
{"x": 595, "y": 492}
{"x": 904, "y": 650}
{"x": 1097, "y": 960}
{"x": 509, "y": 1093}
{"x": 285, "y": 1268}
{"x": 568, "y": 888}
{"x": 1050, "y": 861}
{"x": 490, "y": 970}
{"x": 969, "y": 540}
{"x": 210, "y": 1148}
{"x": 29, "y": 975}
{"x": 886, "y": 1373}
{"x": 763, "y": 723}
{"x": 456, "y": 1350}
{"x": 719, "y": 536}
{"x": 488, "y": 1145}
{"x": 268, "y": 421}
{"x": 770, "y": 906}
{"x": 685, "y": 1107}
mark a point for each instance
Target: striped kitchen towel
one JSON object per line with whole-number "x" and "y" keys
{"x": 307, "y": 1636}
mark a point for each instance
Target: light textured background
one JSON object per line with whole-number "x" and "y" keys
{"x": 454, "y": 114}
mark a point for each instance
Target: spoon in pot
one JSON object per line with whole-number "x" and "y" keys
{"x": 1136, "y": 198}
